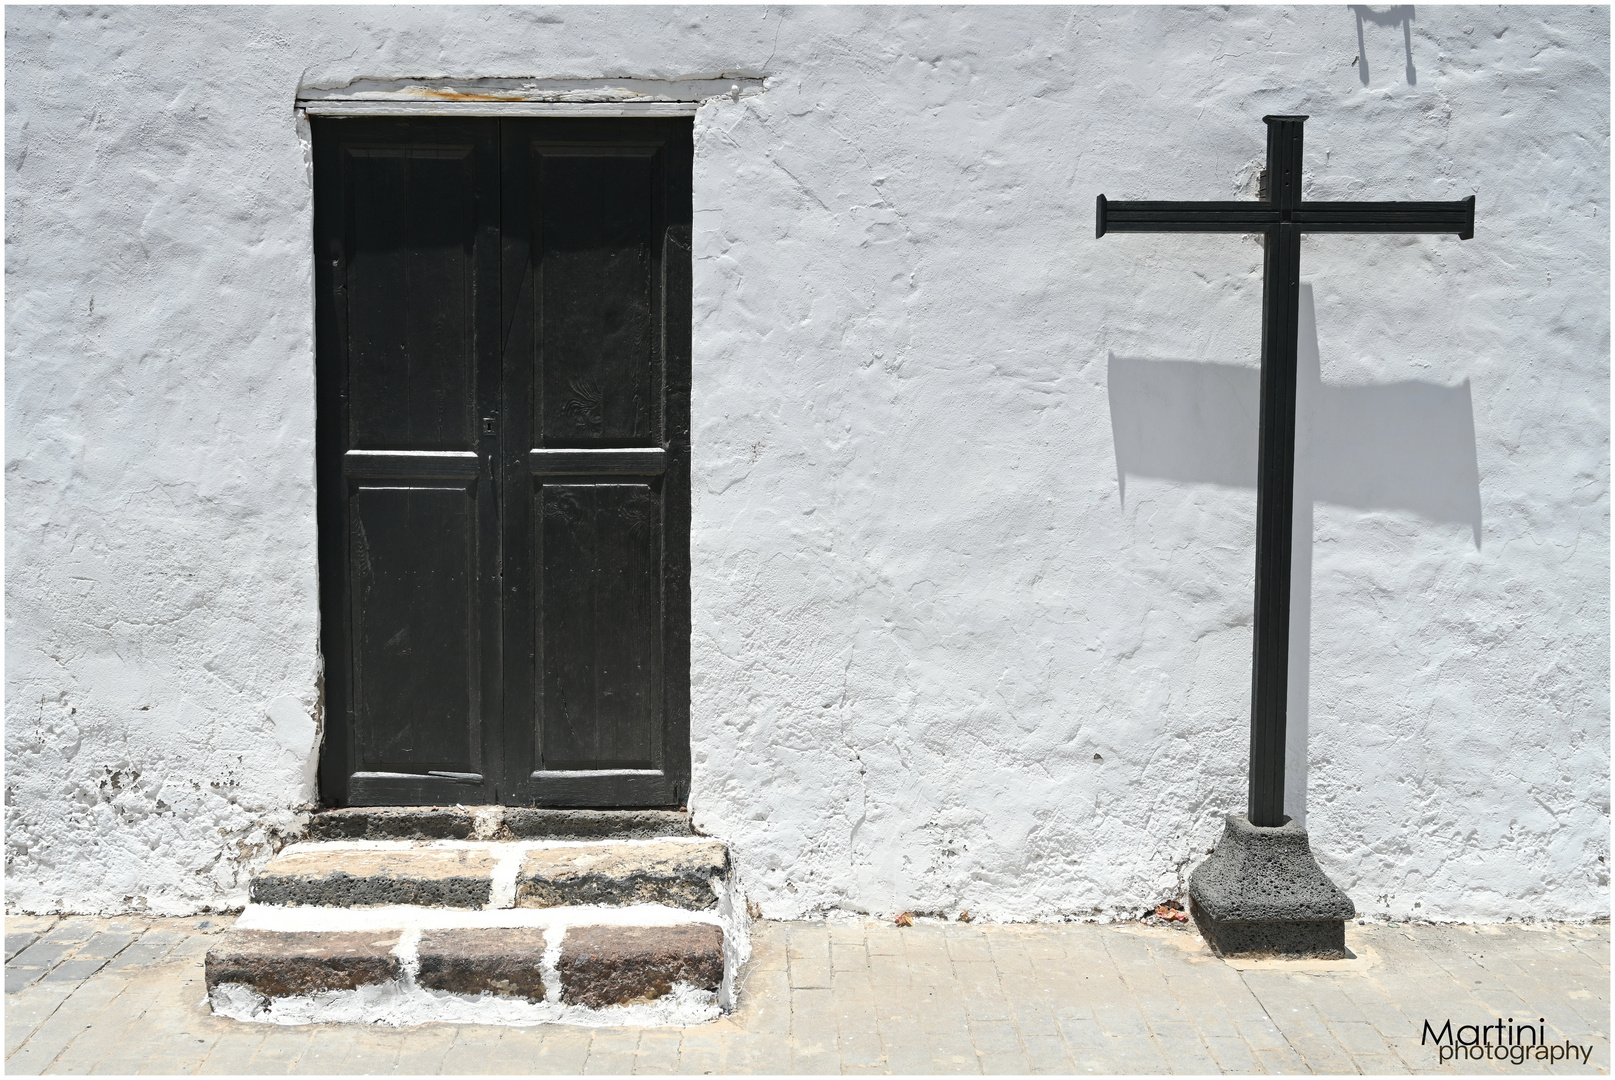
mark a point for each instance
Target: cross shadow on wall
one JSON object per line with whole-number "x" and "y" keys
{"x": 1404, "y": 446}
{"x": 1398, "y": 15}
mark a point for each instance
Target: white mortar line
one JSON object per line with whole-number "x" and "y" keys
{"x": 502, "y": 894}
{"x": 486, "y": 822}
{"x": 479, "y": 845}
{"x": 395, "y": 1004}
{"x": 408, "y": 951}
{"x": 736, "y": 940}
{"x": 306, "y": 918}
{"x": 549, "y": 966}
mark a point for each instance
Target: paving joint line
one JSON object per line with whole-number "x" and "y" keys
{"x": 1296, "y": 1050}
{"x": 58, "y": 1008}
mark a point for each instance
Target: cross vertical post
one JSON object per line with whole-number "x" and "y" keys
{"x": 1261, "y": 891}
{"x": 1275, "y": 471}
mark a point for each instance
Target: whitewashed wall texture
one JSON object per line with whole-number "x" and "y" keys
{"x": 974, "y": 491}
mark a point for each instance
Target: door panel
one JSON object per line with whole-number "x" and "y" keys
{"x": 595, "y": 716}
{"x": 412, "y": 284}
{"x": 413, "y": 561}
{"x": 503, "y": 459}
{"x": 600, "y": 563}
{"x": 598, "y": 208}
{"x": 406, "y": 268}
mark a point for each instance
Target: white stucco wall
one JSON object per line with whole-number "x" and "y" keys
{"x": 973, "y": 492}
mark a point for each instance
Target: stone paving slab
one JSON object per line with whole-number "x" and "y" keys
{"x": 874, "y": 998}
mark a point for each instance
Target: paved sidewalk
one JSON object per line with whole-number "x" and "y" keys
{"x": 125, "y": 996}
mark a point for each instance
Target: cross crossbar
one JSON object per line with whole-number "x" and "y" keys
{"x": 1246, "y": 217}
{"x": 1281, "y": 216}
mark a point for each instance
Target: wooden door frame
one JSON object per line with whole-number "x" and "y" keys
{"x": 335, "y": 753}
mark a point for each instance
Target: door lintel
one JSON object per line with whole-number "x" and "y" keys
{"x": 522, "y": 97}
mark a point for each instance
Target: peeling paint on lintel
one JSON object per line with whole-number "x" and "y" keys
{"x": 554, "y": 91}
{"x": 498, "y": 108}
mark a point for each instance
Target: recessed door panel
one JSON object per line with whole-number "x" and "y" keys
{"x": 600, "y": 626}
{"x": 597, "y": 377}
{"x": 411, "y": 297}
{"x": 413, "y": 560}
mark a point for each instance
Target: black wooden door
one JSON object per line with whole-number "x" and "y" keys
{"x": 503, "y": 362}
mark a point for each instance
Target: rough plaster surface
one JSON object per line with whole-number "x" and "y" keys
{"x": 973, "y": 506}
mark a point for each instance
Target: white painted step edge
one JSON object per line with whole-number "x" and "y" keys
{"x": 404, "y": 1003}
{"x": 409, "y": 917}
{"x": 492, "y": 846}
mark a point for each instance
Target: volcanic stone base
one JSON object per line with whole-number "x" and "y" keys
{"x": 671, "y": 873}
{"x": 280, "y": 964}
{"x": 346, "y": 878}
{"x": 492, "y": 961}
{"x": 620, "y": 965}
{"x": 494, "y": 823}
{"x": 1261, "y": 893}
{"x": 1322, "y": 939}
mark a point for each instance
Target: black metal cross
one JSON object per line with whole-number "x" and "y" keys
{"x": 1281, "y": 217}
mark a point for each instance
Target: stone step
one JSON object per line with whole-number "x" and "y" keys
{"x": 620, "y": 965}
{"x": 484, "y": 931}
{"x": 282, "y": 964}
{"x": 672, "y": 873}
{"x": 507, "y": 962}
{"x": 677, "y": 873}
{"x": 345, "y": 877}
{"x": 595, "y": 966}
{"x": 495, "y": 823}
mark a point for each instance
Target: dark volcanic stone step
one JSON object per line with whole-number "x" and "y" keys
{"x": 494, "y": 823}
{"x": 394, "y": 823}
{"x": 492, "y": 961}
{"x": 281, "y": 964}
{"x": 349, "y": 878}
{"x": 672, "y": 873}
{"x": 524, "y": 823}
{"x": 619, "y": 965}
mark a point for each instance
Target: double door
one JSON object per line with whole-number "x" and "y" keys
{"x": 503, "y": 330}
